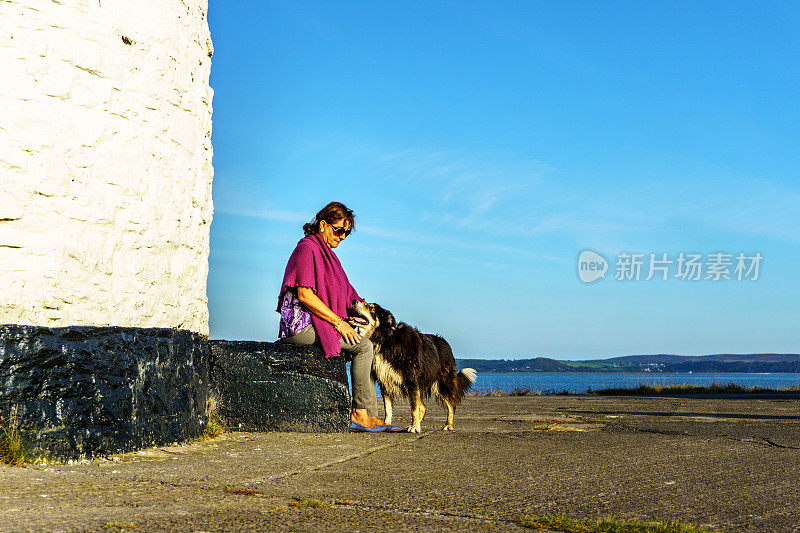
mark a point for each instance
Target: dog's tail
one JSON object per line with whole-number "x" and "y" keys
{"x": 465, "y": 380}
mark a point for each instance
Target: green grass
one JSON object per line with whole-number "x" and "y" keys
{"x": 213, "y": 429}
{"x": 13, "y": 449}
{"x": 311, "y": 504}
{"x": 214, "y": 426}
{"x": 555, "y": 427}
{"x": 117, "y": 525}
{"x": 605, "y": 367}
{"x": 606, "y": 525}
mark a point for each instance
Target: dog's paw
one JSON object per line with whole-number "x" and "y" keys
{"x": 447, "y": 428}
{"x": 413, "y": 429}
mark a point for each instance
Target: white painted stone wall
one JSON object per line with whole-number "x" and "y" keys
{"x": 105, "y": 163}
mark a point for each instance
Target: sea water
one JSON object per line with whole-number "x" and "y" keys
{"x": 592, "y": 381}
{"x": 577, "y": 382}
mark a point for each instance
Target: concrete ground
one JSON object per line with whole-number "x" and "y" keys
{"x": 730, "y": 463}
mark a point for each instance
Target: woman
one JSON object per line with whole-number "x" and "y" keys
{"x": 313, "y": 303}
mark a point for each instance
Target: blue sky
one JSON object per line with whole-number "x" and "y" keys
{"x": 484, "y": 145}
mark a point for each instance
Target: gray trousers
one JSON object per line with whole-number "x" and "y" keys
{"x": 364, "y": 396}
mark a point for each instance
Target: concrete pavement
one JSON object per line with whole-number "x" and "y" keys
{"x": 731, "y": 463}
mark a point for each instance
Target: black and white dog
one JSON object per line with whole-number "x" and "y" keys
{"x": 411, "y": 364}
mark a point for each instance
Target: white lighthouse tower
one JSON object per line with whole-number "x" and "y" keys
{"x": 105, "y": 211}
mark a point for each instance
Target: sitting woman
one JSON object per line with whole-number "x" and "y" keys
{"x": 313, "y": 303}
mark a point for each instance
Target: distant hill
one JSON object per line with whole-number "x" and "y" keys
{"x": 728, "y": 357}
{"x": 748, "y": 363}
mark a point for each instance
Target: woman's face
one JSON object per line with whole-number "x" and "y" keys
{"x": 332, "y": 234}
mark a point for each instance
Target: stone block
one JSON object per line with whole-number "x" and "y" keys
{"x": 265, "y": 386}
{"x": 88, "y": 391}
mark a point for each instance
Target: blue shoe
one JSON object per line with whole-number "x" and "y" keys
{"x": 393, "y": 429}
{"x": 358, "y": 428}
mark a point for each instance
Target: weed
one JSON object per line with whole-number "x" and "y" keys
{"x": 214, "y": 426}
{"x": 13, "y": 450}
{"x": 606, "y": 525}
{"x": 555, "y": 427}
{"x": 213, "y": 429}
{"x": 714, "y": 388}
{"x": 311, "y": 504}
{"x": 117, "y": 525}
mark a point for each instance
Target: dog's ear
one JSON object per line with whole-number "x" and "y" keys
{"x": 385, "y": 317}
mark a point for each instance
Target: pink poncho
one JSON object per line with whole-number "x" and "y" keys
{"x": 314, "y": 265}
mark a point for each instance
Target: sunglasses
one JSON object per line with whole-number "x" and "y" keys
{"x": 340, "y": 231}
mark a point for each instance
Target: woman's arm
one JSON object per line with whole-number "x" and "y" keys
{"x": 320, "y": 310}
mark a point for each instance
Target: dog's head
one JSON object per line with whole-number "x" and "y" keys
{"x": 369, "y": 317}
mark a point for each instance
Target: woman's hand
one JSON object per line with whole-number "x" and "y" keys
{"x": 348, "y": 333}
{"x": 318, "y": 308}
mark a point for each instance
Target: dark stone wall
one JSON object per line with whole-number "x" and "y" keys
{"x": 264, "y": 386}
{"x": 86, "y": 391}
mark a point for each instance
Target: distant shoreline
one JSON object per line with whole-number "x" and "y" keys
{"x": 626, "y": 371}
{"x": 651, "y": 390}
{"x": 763, "y": 363}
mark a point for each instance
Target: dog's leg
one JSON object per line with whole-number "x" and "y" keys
{"x": 449, "y": 403}
{"x": 417, "y": 412}
{"x": 451, "y": 410}
{"x": 387, "y": 406}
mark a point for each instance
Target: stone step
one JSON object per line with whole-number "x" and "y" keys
{"x": 269, "y": 386}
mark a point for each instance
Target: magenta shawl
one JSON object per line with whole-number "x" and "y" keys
{"x": 314, "y": 265}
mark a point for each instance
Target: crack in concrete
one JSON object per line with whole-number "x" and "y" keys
{"x": 438, "y": 515}
{"x": 654, "y": 431}
{"x": 773, "y": 443}
{"x": 370, "y": 451}
{"x": 756, "y": 440}
{"x": 765, "y": 442}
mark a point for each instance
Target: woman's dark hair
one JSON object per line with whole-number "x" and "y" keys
{"x": 331, "y": 213}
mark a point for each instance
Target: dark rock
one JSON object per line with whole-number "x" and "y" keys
{"x": 263, "y": 386}
{"x": 85, "y": 391}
